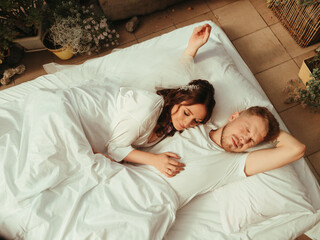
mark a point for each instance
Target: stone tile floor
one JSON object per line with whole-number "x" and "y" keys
{"x": 264, "y": 44}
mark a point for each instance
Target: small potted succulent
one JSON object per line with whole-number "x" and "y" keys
{"x": 78, "y": 29}
{"x": 306, "y": 91}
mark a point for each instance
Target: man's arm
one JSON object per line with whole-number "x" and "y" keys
{"x": 287, "y": 150}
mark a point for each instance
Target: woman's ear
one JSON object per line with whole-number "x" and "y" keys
{"x": 234, "y": 116}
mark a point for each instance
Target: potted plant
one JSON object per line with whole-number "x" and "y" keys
{"x": 78, "y": 29}
{"x": 63, "y": 38}
{"x": 306, "y": 93}
{"x": 22, "y": 22}
{"x": 308, "y": 66}
{"x": 6, "y": 38}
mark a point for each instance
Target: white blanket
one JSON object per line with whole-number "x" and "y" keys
{"x": 53, "y": 186}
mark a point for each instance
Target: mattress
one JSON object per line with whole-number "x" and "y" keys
{"x": 216, "y": 61}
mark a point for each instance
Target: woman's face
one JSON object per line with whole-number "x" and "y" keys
{"x": 186, "y": 116}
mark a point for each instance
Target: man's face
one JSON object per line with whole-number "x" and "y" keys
{"x": 243, "y": 132}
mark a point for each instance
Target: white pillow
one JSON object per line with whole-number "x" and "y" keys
{"x": 148, "y": 68}
{"x": 259, "y": 197}
{"x": 233, "y": 92}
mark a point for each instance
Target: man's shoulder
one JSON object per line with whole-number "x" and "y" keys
{"x": 198, "y": 136}
{"x": 200, "y": 131}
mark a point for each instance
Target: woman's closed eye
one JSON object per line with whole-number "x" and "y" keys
{"x": 187, "y": 114}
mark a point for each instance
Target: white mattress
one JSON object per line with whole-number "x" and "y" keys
{"x": 200, "y": 219}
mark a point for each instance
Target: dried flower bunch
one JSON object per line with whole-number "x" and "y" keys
{"x": 307, "y": 95}
{"x": 82, "y": 28}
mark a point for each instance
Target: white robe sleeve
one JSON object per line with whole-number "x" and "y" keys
{"x": 187, "y": 62}
{"x": 139, "y": 111}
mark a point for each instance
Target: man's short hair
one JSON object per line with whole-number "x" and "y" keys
{"x": 272, "y": 123}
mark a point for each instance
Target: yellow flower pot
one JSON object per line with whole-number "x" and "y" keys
{"x": 63, "y": 53}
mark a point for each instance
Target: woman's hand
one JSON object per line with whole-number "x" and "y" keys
{"x": 165, "y": 163}
{"x": 95, "y": 152}
{"x": 199, "y": 37}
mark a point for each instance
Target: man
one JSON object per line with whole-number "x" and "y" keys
{"x": 251, "y": 127}
{"x": 216, "y": 156}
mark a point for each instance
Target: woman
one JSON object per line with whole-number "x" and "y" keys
{"x": 153, "y": 118}
{"x": 143, "y": 119}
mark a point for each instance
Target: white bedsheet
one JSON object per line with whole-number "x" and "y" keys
{"x": 52, "y": 186}
{"x": 73, "y": 204}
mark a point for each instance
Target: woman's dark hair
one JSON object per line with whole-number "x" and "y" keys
{"x": 196, "y": 92}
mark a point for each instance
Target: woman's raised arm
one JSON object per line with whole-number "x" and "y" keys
{"x": 199, "y": 37}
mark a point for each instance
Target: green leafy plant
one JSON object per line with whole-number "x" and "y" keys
{"x": 81, "y": 27}
{"x": 307, "y": 2}
{"x": 6, "y": 38}
{"x": 24, "y": 17}
{"x": 307, "y": 95}
{"x": 19, "y": 19}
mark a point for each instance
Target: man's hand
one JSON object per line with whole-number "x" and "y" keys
{"x": 199, "y": 37}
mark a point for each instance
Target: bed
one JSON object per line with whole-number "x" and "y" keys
{"x": 64, "y": 198}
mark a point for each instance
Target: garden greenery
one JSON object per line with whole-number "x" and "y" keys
{"x": 18, "y": 19}
{"x": 307, "y": 95}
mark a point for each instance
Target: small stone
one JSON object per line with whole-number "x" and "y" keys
{"x": 190, "y": 8}
{"x": 132, "y": 24}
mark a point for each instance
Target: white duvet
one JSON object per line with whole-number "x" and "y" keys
{"x": 53, "y": 186}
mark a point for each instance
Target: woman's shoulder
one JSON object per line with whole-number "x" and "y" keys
{"x": 139, "y": 94}
{"x": 139, "y": 97}
{"x": 139, "y": 103}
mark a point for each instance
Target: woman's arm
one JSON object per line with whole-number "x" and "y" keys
{"x": 164, "y": 162}
{"x": 137, "y": 114}
{"x": 199, "y": 37}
